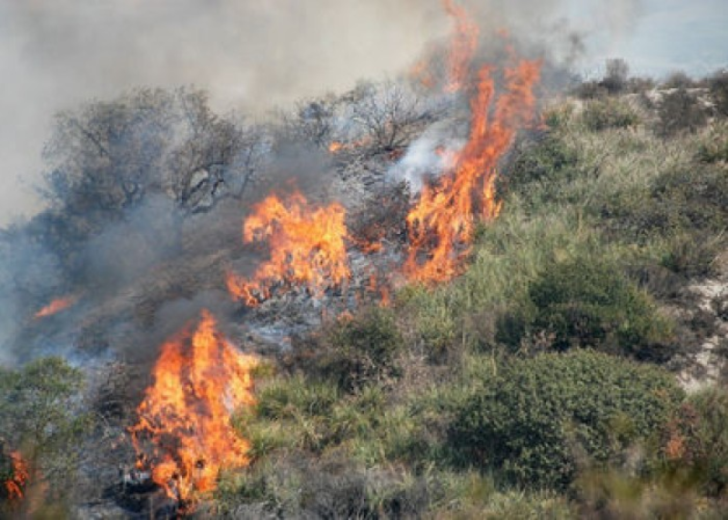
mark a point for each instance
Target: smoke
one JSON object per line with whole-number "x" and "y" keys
{"x": 56, "y": 54}
{"x": 248, "y": 55}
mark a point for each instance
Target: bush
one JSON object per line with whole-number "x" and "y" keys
{"x": 714, "y": 148}
{"x": 680, "y": 112}
{"x": 687, "y": 199}
{"x": 692, "y": 254}
{"x": 588, "y": 302}
{"x": 360, "y": 350}
{"x": 43, "y": 417}
{"x": 696, "y": 442}
{"x": 718, "y": 85}
{"x": 543, "y": 418}
{"x": 608, "y": 113}
{"x": 547, "y": 162}
{"x": 615, "y": 76}
{"x": 330, "y": 487}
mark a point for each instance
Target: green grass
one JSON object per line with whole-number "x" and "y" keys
{"x": 603, "y": 221}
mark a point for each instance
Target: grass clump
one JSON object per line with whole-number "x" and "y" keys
{"x": 603, "y": 114}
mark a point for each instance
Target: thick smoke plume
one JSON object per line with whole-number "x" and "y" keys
{"x": 56, "y": 54}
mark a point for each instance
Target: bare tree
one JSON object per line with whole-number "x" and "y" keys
{"x": 390, "y": 114}
{"x": 108, "y": 156}
{"x": 311, "y": 121}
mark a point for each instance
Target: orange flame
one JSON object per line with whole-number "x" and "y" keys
{"x": 442, "y": 222}
{"x": 199, "y": 379}
{"x": 307, "y": 247}
{"x": 55, "y": 307}
{"x": 15, "y": 485}
{"x": 462, "y": 46}
{"x": 339, "y": 146}
{"x": 335, "y": 146}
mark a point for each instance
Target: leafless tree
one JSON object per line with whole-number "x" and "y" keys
{"x": 390, "y": 114}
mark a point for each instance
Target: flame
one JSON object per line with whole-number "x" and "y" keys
{"x": 307, "y": 247}
{"x": 421, "y": 73}
{"x": 199, "y": 379}
{"x": 335, "y": 146}
{"x": 15, "y": 485}
{"x": 55, "y": 307}
{"x": 442, "y": 222}
{"x": 462, "y": 46}
{"x": 340, "y": 146}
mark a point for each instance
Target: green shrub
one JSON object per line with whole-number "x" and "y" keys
{"x": 714, "y": 148}
{"x": 543, "y": 418}
{"x": 43, "y": 417}
{"x": 587, "y": 301}
{"x": 692, "y": 254}
{"x": 718, "y": 85}
{"x": 678, "y": 200}
{"x": 332, "y": 486}
{"x": 546, "y": 164}
{"x": 696, "y": 442}
{"x": 678, "y": 112}
{"x": 603, "y": 114}
{"x": 361, "y": 350}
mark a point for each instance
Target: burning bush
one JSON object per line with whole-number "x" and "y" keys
{"x": 184, "y": 435}
{"x": 41, "y": 412}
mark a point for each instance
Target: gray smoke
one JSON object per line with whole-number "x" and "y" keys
{"x": 56, "y": 54}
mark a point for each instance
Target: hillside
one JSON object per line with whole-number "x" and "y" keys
{"x": 461, "y": 293}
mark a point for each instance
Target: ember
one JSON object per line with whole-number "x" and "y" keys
{"x": 56, "y": 306}
{"x": 15, "y": 485}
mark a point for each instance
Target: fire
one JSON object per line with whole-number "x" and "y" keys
{"x": 15, "y": 485}
{"x": 443, "y": 220}
{"x": 199, "y": 379}
{"x": 335, "y": 146}
{"x": 462, "y": 47}
{"x": 340, "y": 146}
{"x": 307, "y": 247}
{"x": 55, "y": 307}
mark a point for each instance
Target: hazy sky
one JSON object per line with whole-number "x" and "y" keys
{"x": 56, "y": 54}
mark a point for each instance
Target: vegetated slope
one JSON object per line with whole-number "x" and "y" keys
{"x": 549, "y": 379}
{"x": 542, "y": 381}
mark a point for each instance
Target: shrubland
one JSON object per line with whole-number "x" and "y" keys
{"x": 540, "y": 383}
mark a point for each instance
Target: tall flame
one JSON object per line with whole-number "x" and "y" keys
{"x": 462, "y": 46}
{"x": 184, "y": 434}
{"x": 307, "y": 247}
{"x": 15, "y": 485}
{"x": 442, "y": 222}
{"x": 55, "y": 306}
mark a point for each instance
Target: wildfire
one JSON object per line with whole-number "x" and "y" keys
{"x": 307, "y": 247}
{"x": 443, "y": 220}
{"x": 55, "y": 307}
{"x": 340, "y": 146}
{"x": 462, "y": 46}
{"x": 15, "y": 485}
{"x": 199, "y": 380}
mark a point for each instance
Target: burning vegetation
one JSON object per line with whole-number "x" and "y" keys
{"x": 184, "y": 436}
{"x": 15, "y": 484}
{"x": 56, "y": 306}
{"x": 372, "y": 398}
{"x": 307, "y": 248}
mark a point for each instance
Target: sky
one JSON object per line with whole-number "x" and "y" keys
{"x": 252, "y": 54}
